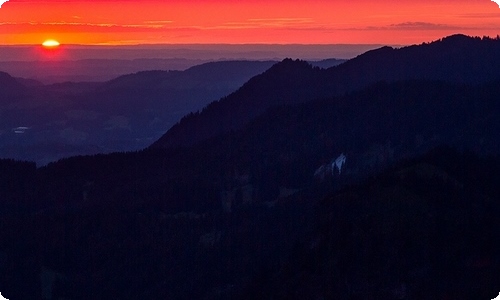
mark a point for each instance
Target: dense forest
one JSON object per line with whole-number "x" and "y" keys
{"x": 426, "y": 227}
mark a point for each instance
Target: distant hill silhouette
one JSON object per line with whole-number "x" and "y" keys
{"x": 207, "y": 75}
{"x": 456, "y": 58}
{"x": 94, "y": 70}
{"x": 9, "y": 87}
{"x": 327, "y": 63}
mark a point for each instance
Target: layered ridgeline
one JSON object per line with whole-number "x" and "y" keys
{"x": 285, "y": 148}
{"x": 258, "y": 212}
{"x": 123, "y": 114}
{"x": 455, "y": 58}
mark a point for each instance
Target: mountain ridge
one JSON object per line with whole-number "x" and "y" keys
{"x": 456, "y": 58}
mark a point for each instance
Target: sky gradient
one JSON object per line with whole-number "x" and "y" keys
{"x": 122, "y": 22}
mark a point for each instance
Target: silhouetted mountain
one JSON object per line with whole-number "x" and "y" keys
{"x": 285, "y": 83}
{"x": 457, "y": 58}
{"x": 453, "y": 59}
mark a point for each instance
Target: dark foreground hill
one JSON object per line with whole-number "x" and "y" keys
{"x": 426, "y": 229}
{"x": 243, "y": 214}
{"x": 455, "y": 58}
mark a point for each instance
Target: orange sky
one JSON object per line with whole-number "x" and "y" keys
{"x": 251, "y": 21}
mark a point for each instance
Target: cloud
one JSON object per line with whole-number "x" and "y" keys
{"x": 411, "y": 26}
{"x": 421, "y": 26}
{"x": 265, "y": 23}
{"x": 480, "y": 15}
{"x": 158, "y": 22}
{"x": 282, "y": 20}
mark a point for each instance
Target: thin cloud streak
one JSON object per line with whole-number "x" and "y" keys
{"x": 411, "y": 26}
{"x": 492, "y": 15}
{"x": 75, "y": 26}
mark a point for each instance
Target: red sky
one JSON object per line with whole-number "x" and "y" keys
{"x": 244, "y": 21}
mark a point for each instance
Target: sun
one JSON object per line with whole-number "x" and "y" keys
{"x": 50, "y": 43}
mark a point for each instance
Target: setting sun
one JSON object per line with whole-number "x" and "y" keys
{"x": 50, "y": 44}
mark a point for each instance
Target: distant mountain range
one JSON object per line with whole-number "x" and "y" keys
{"x": 55, "y": 71}
{"x": 123, "y": 114}
{"x": 455, "y": 58}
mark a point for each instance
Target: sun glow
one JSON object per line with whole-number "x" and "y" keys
{"x": 50, "y": 44}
